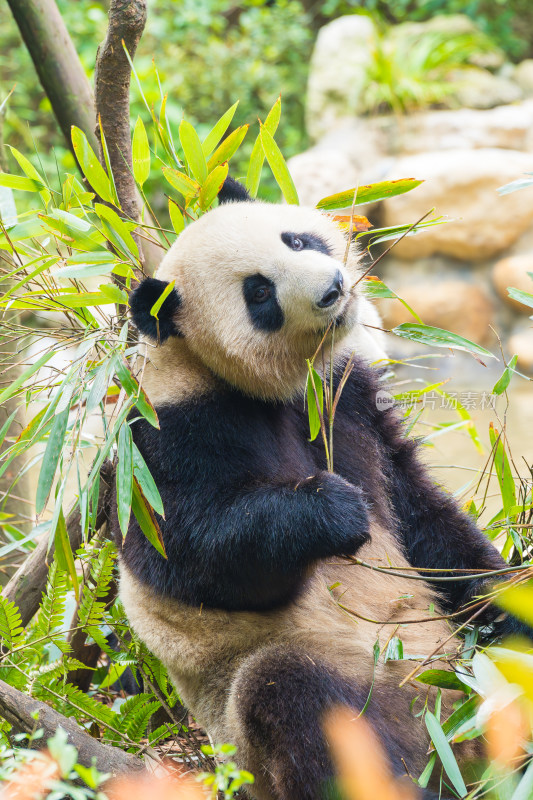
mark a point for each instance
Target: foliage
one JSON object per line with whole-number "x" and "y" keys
{"x": 227, "y": 779}
{"x": 409, "y": 70}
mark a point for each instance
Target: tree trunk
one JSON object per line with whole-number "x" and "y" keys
{"x": 58, "y": 66}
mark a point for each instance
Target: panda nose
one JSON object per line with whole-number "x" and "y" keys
{"x": 333, "y": 293}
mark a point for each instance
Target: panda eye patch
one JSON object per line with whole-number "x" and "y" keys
{"x": 305, "y": 241}
{"x": 262, "y": 303}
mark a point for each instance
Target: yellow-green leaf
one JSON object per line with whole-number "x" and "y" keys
{"x": 90, "y": 166}
{"x": 31, "y": 172}
{"x": 212, "y": 186}
{"x": 120, "y": 235}
{"x": 228, "y": 147}
{"x": 255, "y": 165}
{"x": 501, "y": 385}
{"x": 135, "y": 391}
{"x": 146, "y": 518}
{"x": 185, "y": 185}
{"x": 218, "y": 130}
{"x": 124, "y": 477}
{"x": 192, "y": 148}
{"x": 370, "y": 193}
{"x": 54, "y": 447}
{"x": 176, "y": 217}
{"x": 315, "y": 391}
{"x": 279, "y": 167}
{"x": 20, "y": 183}
{"x": 154, "y": 311}
{"x": 140, "y": 153}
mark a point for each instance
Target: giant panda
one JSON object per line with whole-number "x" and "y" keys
{"x": 248, "y": 612}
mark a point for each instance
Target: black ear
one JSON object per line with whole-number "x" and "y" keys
{"x": 142, "y": 300}
{"x": 233, "y": 192}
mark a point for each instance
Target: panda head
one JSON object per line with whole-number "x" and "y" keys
{"x": 256, "y": 287}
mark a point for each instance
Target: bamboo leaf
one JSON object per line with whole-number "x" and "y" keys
{"x": 135, "y": 391}
{"x": 90, "y": 165}
{"x": 501, "y": 385}
{"x": 445, "y": 753}
{"x": 228, "y": 147}
{"x": 146, "y": 518}
{"x": 212, "y": 186}
{"x": 31, "y": 172}
{"x": 124, "y": 477}
{"x": 176, "y": 217}
{"x": 518, "y": 601}
{"x": 503, "y": 470}
{"x": 523, "y": 297}
{"x": 178, "y": 180}
{"x": 279, "y": 167}
{"x": 9, "y": 391}
{"x": 218, "y": 130}
{"x": 146, "y": 482}
{"x": 438, "y": 337}
{"x": 20, "y": 183}
{"x": 63, "y": 552}
{"x": 314, "y": 379}
{"x": 257, "y": 157}
{"x": 369, "y": 193}
{"x": 154, "y": 311}
{"x": 443, "y": 678}
{"x": 122, "y": 236}
{"x": 52, "y": 453}
{"x": 192, "y": 148}
{"x": 140, "y": 153}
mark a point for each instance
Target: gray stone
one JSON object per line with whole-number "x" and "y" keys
{"x": 479, "y": 88}
{"x": 523, "y": 76}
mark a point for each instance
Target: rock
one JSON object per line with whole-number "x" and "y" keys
{"x": 509, "y": 127}
{"x": 523, "y": 76}
{"x": 521, "y": 343}
{"x": 337, "y": 72}
{"x": 461, "y": 184}
{"x": 479, "y": 88}
{"x": 513, "y": 271}
{"x": 455, "y": 305}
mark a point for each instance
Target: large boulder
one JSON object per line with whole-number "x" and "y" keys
{"x": 523, "y": 76}
{"x": 455, "y": 305}
{"x": 479, "y": 88}
{"x": 461, "y": 184}
{"x": 514, "y": 271}
{"x": 337, "y": 72}
{"x": 521, "y": 343}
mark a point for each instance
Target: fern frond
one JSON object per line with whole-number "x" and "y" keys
{"x": 74, "y": 702}
{"x": 92, "y": 606}
{"x": 12, "y": 633}
{"x": 134, "y": 715}
{"x": 52, "y": 610}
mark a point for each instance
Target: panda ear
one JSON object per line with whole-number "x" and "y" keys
{"x": 142, "y": 300}
{"x": 233, "y": 192}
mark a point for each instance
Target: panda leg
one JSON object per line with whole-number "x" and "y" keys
{"x": 276, "y": 709}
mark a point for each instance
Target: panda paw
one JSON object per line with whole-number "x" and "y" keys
{"x": 346, "y": 517}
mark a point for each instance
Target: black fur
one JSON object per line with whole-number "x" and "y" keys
{"x": 233, "y": 192}
{"x": 309, "y": 241}
{"x": 283, "y": 699}
{"x": 265, "y": 314}
{"x": 243, "y": 518}
{"x": 142, "y": 300}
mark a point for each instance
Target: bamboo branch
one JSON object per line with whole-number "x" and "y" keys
{"x": 20, "y": 710}
{"x": 27, "y": 585}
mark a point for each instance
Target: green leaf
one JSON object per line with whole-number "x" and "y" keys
{"x": 218, "y": 130}
{"x": 140, "y": 153}
{"x": 107, "y": 161}
{"x": 11, "y": 630}
{"x": 90, "y": 166}
{"x": 369, "y": 193}
{"x": 146, "y": 518}
{"x": 443, "y": 678}
{"x": 178, "y": 180}
{"x": 20, "y": 183}
{"x": 523, "y": 297}
{"x": 314, "y": 379}
{"x": 503, "y": 470}
{"x": 31, "y": 172}
{"x": 228, "y": 147}
{"x": 445, "y": 753}
{"x": 212, "y": 186}
{"x": 146, "y": 482}
{"x": 192, "y": 148}
{"x": 257, "y": 158}
{"x": 154, "y": 311}
{"x": 121, "y": 235}
{"x": 10, "y": 390}
{"x": 176, "y": 217}
{"x": 439, "y": 338}
{"x": 428, "y": 770}
{"x": 394, "y": 651}
{"x": 87, "y": 266}
{"x": 63, "y": 552}
{"x": 279, "y": 167}
{"x": 54, "y": 447}
{"x": 134, "y": 390}
{"x": 124, "y": 477}
{"x": 373, "y": 287}
{"x": 524, "y": 790}
{"x": 501, "y": 385}
{"x": 514, "y": 186}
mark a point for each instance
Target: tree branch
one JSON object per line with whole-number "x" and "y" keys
{"x": 18, "y": 710}
{"x": 27, "y": 585}
{"x": 58, "y": 66}
{"x": 112, "y": 92}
